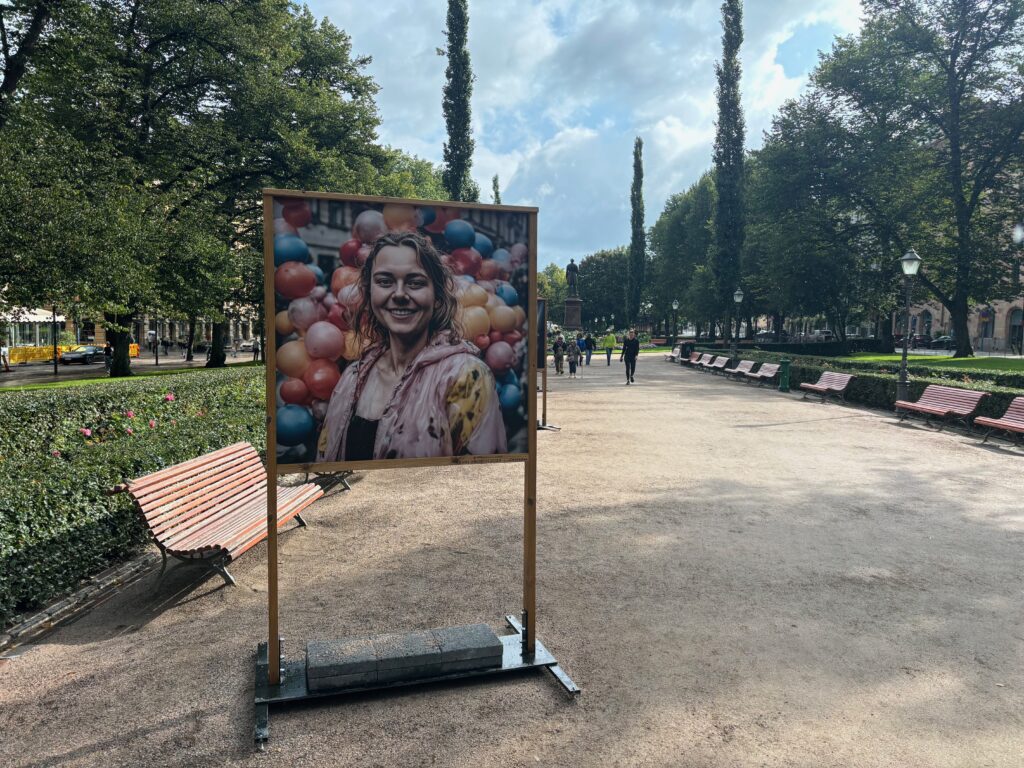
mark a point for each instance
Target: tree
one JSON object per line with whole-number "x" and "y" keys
{"x": 552, "y": 286}
{"x": 603, "y": 273}
{"x": 728, "y": 158}
{"x": 947, "y": 72}
{"x": 458, "y": 89}
{"x": 495, "y": 191}
{"x": 638, "y": 236}
{"x": 21, "y": 31}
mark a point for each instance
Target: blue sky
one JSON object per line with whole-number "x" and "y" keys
{"x": 564, "y": 86}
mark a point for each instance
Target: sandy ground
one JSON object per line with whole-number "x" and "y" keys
{"x": 734, "y": 578}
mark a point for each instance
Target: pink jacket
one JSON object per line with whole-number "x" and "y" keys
{"x": 445, "y": 404}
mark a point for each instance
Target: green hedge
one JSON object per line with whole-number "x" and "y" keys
{"x": 877, "y": 389}
{"x": 57, "y": 526}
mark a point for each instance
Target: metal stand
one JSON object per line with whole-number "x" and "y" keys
{"x": 292, "y": 687}
{"x": 542, "y": 422}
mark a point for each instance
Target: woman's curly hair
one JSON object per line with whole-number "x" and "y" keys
{"x": 446, "y": 304}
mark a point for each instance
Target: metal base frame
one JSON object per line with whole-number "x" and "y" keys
{"x": 293, "y": 678}
{"x": 548, "y": 427}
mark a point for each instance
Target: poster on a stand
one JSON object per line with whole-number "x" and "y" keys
{"x": 399, "y": 332}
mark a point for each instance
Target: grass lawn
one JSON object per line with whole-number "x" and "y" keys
{"x": 985, "y": 363}
{"x": 108, "y": 380}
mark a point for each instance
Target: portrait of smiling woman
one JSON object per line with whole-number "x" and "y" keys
{"x": 418, "y": 390}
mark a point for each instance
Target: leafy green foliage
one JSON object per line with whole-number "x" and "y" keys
{"x": 57, "y": 526}
{"x": 638, "y": 237}
{"x": 602, "y": 276}
{"x": 458, "y": 90}
{"x": 552, "y": 285}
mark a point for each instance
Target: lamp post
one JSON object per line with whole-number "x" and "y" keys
{"x": 675, "y": 321}
{"x": 1018, "y": 239}
{"x": 910, "y": 264}
{"x": 737, "y": 297}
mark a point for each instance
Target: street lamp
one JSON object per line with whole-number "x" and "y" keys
{"x": 910, "y": 264}
{"x": 1018, "y": 239}
{"x": 675, "y": 321}
{"x": 738, "y": 298}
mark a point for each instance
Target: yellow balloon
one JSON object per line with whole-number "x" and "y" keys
{"x": 399, "y": 216}
{"x": 493, "y": 301}
{"x": 284, "y": 323}
{"x": 473, "y": 296}
{"x": 292, "y": 359}
{"x": 503, "y": 319}
{"x": 475, "y": 322}
{"x": 520, "y": 317}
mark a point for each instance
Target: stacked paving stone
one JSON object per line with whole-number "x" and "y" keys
{"x": 357, "y": 662}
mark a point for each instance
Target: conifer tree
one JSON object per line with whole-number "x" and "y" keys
{"x": 458, "y": 88}
{"x": 495, "y": 190}
{"x": 638, "y": 237}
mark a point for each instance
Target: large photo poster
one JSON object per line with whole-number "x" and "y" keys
{"x": 399, "y": 329}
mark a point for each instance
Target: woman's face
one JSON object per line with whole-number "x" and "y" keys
{"x": 401, "y": 292}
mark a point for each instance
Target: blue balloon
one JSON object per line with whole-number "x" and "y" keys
{"x": 483, "y": 245}
{"x": 295, "y": 424}
{"x": 290, "y": 248}
{"x": 428, "y": 215}
{"x": 510, "y": 377}
{"x": 509, "y": 396}
{"x": 320, "y": 279}
{"x": 466, "y": 278}
{"x": 507, "y": 293}
{"x": 503, "y": 257}
{"x": 459, "y": 234}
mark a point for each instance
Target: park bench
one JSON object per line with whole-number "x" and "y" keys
{"x": 703, "y": 360}
{"x": 744, "y": 366}
{"x": 1012, "y": 421}
{"x": 671, "y": 357}
{"x": 830, "y": 384}
{"x": 719, "y": 365}
{"x": 944, "y": 403}
{"x": 691, "y": 360}
{"x": 764, "y": 374}
{"x": 213, "y": 508}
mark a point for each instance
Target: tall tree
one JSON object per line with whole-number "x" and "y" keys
{"x": 730, "y": 133}
{"x": 552, "y": 286}
{"x": 458, "y": 89}
{"x": 603, "y": 271}
{"x": 638, "y": 236}
{"x": 948, "y": 73}
{"x": 22, "y": 25}
{"x": 495, "y": 190}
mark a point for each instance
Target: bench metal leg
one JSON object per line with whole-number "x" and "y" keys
{"x": 300, "y": 521}
{"x": 223, "y": 571}
{"x": 987, "y": 436}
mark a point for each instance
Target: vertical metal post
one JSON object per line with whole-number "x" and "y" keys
{"x": 902, "y": 387}
{"x": 784, "y": 374}
{"x": 530, "y": 490}
{"x": 53, "y": 332}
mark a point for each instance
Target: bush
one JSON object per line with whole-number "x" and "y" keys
{"x": 61, "y": 449}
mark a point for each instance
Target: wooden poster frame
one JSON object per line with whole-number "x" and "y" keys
{"x": 274, "y": 469}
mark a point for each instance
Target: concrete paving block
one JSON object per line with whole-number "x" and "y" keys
{"x": 469, "y": 665}
{"x": 337, "y": 682}
{"x": 406, "y": 655}
{"x": 333, "y": 658}
{"x": 470, "y": 641}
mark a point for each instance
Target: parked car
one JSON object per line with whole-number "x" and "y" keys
{"x": 245, "y": 346}
{"x": 920, "y": 340}
{"x": 84, "y": 354}
{"x": 822, "y": 335}
{"x": 943, "y": 342}
{"x": 770, "y": 336}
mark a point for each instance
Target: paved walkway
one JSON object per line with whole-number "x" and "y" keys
{"x": 734, "y": 577}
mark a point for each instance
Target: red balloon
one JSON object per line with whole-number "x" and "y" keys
{"x": 496, "y": 336}
{"x": 336, "y": 315}
{"x": 466, "y": 261}
{"x": 500, "y": 357}
{"x": 343, "y": 276}
{"x": 348, "y": 252}
{"x": 512, "y": 337}
{"x": 321, "y": 378}
{"x": 297, "y": 214}
{"x": 294, "y": 280}
{"x": 295, "y": 391}
{"x": 489, "y": 270}
{"x": 483, "y": 341}
{"x": 363, "y": 255}
{"x": 325, "y": 340}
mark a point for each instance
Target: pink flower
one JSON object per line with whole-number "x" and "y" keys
{"x": 55, "y": 453}
{"x": 169, "y": 397}
{"x": 86, "y": 431}
{"x": 152, "y": 423}
{"x": 130, "y": 414}
{"x": 174, "y": 421}
{"x": 129, "y": 430}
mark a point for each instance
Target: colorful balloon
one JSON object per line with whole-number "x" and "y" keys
{"x": 295, "y": 425}
{"x": 500, "y": 357}
{"x": 348, "y": 251}
{"x": 369, "y": 226}
{"x": 509, "y": 396}
{"x": 295, "y": 391}
{"x": 304, "y": 312}
{"x": 282, "y": 227}
{"x": 293, "y": 280}
{"x": 473, "y": 296}
{"x": 483, "y": 245}
{"x": 325, "y": 340}
{"x": 321, "y": 378}
{"x": 319, "y": 273}
{"x": 400, "y": 217}
{"x": 337, "y": 316}
{"x": 459, "y": 234}
{"x": 353, "y": 346}
{"x": 292, "y": 359}
{"x": 290, "y": 248}
{"x": 283, "y": 323}
{"x": 507, "y": 293}
{"x": 427, "y": 216}
{"x": 363, "y": 255}
{"x": 518, "y": 253}
{"x": 343, "y": 276}
{"x": 475, "y": 322}
{"x": 297, "y": 213}
{"x": 465, "y": 261}
{"x": 483, "y": 341}
{"x": 489, "y": 270}
{"x": 503, "y": 319}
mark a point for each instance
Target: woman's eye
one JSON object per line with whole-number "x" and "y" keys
{"x": 384, "y": 282}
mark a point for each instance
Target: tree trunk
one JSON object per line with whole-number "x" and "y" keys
{"x": 750, "y": 328}
{"x": 217, "y": 357}
{"x": 120, "y": 340}
{"x": 959, "y": 312}
{"x": 777, "y": 321}
{"x": 191, "y": 341}
{"x": 888, "y": 346}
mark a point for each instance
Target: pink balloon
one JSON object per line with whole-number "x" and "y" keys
{"x": 325, "y": 340}
{"x": 350, "y": 295}
{"x": 318, "y": 293}
{"x": 294, "y": 391}
{"x": 368, "y": 226}
{"x": 518, "y": 252}
{"x": 321, "y": 378}
{"x": 282, "y": 227}
{"x": 294, "y": 280}
{"x": 304, "y": 312}
{"x": 500, "y": 357}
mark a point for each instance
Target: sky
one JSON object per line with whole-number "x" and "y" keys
{"x": 563, "y": 87}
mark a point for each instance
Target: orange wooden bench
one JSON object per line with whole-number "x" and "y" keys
{"x": 830, "y": 384}
{"x": 764, "y": 374}
{"x": 702, "y": 361}
{"x": 719, "y": 365}
{"x": 1012, "y": 421}
{"x": 742, "y": 367}
{"x": 691, "y": 360}
{"x": 213, "y": 508}
{"x": 944, "y": 403}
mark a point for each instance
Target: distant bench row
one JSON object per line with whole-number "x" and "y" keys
{"x": 936, "y": 402}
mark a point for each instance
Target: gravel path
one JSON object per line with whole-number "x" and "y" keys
{"x": 734, "y": 578}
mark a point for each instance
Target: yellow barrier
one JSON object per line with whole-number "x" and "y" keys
{"x": 43, "y": 354}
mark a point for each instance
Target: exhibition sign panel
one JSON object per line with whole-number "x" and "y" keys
{"x": 399, "y": 331}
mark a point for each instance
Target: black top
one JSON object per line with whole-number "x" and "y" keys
{"x": 630, "y": 347}
{"x": 362, "y": 433}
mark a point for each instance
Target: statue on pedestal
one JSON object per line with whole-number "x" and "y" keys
{"x": 571, "y": 276}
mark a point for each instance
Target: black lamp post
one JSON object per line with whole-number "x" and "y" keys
{"x": 1018, "y": 239}
{"x": 675, "y": 321}
{"x": 738, "y": 298}
{"x": 910, "y": 263}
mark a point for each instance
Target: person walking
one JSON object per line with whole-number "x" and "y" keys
{"x": 108, "y": 356}
{"x": 589, "y": 348}
{"x": 630, "y": 352}
{"x": 558, "y": 349}
{"x": 255, "y": 349}
{"x": 609, "y": 345}
{"x": 574, "y": 355}
{"x": 5, "y": 356}
{"x": 581, "y": 345}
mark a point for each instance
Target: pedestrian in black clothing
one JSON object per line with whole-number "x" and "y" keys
{"x": 590, "y": 347}
{"x": 630, "y": 352}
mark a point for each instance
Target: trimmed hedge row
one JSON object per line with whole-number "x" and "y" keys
{"x": 61, "y": 449}
{"x": 812, "y": 348}
{"x": 878, "y": 389}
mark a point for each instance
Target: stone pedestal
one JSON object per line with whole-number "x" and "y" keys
{"x": 573, "y": 314}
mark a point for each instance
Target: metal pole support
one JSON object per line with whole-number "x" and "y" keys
{"x": 903, "y": 386}
{"x": 784, "y": 374}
